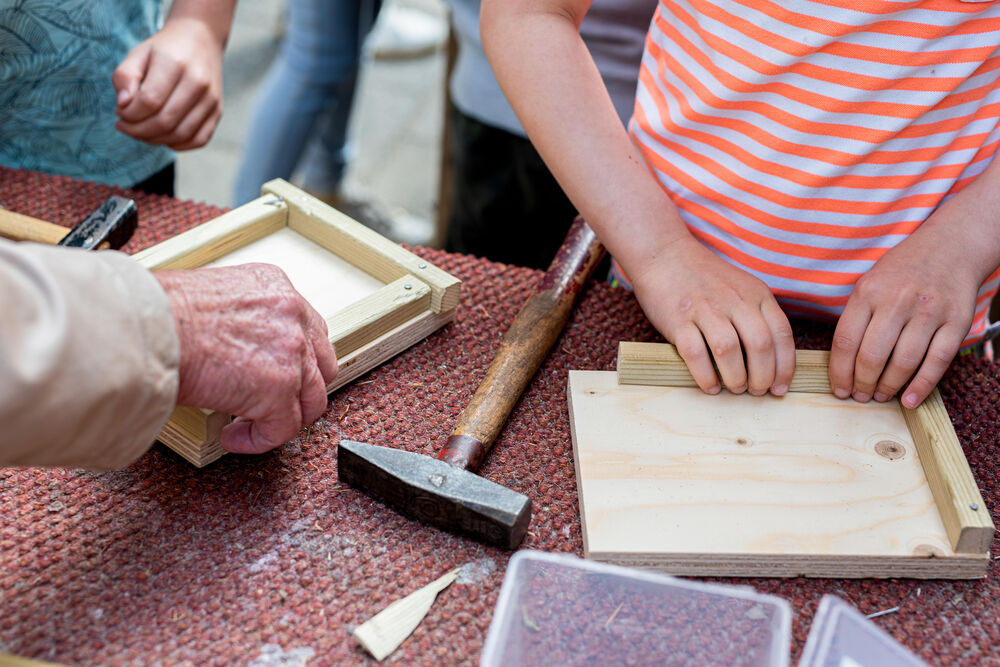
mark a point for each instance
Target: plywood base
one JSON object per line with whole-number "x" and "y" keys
{"x": 804, "y": 485}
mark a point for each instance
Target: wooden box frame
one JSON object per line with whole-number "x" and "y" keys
{"x": 417, "y": 299}
{"x": 959, "y": 503}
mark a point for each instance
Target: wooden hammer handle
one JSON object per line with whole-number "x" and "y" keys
{"x": 523, "y": 348}
{"x": 18, "y": 227}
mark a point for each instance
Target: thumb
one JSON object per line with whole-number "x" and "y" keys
{"x": 130, "y": 72}
{"x": 246, "y": 436}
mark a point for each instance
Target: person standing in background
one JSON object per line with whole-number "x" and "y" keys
{"x": 97, "y": 90}
{"x": 501, "y": 191}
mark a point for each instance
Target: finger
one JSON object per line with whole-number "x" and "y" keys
{"x": 758, "y": 346}
{"x": 876, "y": 347}
{"x": 256, "y": 436}
{"x": 319, "y": 336}
{"x": 200, "y": 122}
{"x": 183, "y": 103}
{"x": 204, "y": 134}
{"x": 784, "y": 346}
{"x": 940, "y": 353}
{"x": 847, "y": 339}
{"x": 161, "y": 77}
{"x": 906, "y": 358}
{"x": 130, "y": 73}
{"x": 724, "y": 342}
{"x": 691, "y": 346}
{"x": 312, "y": 400}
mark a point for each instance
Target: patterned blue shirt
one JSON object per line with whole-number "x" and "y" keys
{"x": 57, "y": 102}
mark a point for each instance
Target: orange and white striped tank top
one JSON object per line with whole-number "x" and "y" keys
{"x": 802, "y": 139}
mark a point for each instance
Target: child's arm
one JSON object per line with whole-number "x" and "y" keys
{"x": 691, "y": 295}
{"x": 170, "y": 86}
{"x": 912, "y": 310}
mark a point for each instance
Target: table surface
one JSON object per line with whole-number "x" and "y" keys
{"x": 264, "y": 557}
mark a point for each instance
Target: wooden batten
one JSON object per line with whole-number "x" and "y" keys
{"x": 211, "y": 240}
{"x": 374, "y": 315}
{"x": 659, "y": 364}
{"x": 959, "y": 501}
{"x": 363, "y": 247}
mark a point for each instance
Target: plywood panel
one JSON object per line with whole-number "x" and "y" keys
{"x": 328, "y": 282}
{"x": 804, "y": 484}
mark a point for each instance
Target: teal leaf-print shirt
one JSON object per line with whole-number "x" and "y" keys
{"x": 57, "y": 102}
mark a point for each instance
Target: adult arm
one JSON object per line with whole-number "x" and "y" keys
{"x": 169, "y": 87}
{"x": 88, "y": 357}
{"x": 704, "y": 305}
{"x": 95, "y": 351}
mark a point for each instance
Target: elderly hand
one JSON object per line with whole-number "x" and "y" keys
{"x": 251, "y": 346}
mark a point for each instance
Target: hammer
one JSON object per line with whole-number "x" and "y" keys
{"x": 445, "y": 492}
{"x": 110, "y": 226}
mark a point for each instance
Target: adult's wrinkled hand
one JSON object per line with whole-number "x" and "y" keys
{"x": 250, "y": 346}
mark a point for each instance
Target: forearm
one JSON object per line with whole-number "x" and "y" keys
{"x": 556, "y": 90}
{"x": 216, "y": 15}
{"x": 88, "y": 358}
{"x": 554, "y": 87}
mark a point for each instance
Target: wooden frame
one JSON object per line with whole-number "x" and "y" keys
{"x": 417, "y": 297}
{"x": 952, "y": 495}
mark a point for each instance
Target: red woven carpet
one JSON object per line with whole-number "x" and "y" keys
{"x": 162, "y": 563}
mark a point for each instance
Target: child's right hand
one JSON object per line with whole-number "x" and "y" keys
{"x": 710, "y": 309}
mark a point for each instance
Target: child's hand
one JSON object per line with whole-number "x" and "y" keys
{"x": 695, "y": 298}
{"x": 909, "y": 314}
{"x": 170, "y": 86}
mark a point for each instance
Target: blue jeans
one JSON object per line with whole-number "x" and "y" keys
{"x": 305, "y": 99}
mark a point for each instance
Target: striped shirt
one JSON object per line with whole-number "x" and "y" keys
{"x": 802, "y": 139}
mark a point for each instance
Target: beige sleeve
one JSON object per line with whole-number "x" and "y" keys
{"x": 88, "y": 357}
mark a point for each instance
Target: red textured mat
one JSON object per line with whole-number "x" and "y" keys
{"x": 162, "y": 563}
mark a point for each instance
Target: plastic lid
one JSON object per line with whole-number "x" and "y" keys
{"x": 558, "y": 609}
{"x": 841, "y": 636}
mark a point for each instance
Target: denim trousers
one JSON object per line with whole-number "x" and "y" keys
{"x": 304, "y": 104}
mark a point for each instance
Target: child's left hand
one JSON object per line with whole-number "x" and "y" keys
{"x": 910, "y": 312}
{"x": 169, "y": 87}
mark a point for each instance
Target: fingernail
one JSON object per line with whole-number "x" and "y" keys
{"x": 779, "y": 390}
{"x": 841, "y": 393}
{"x": 714, "y": 389}
{"x": 861, "y": 397}
{"x": 758, "y": 392}
{"x": 880, "y": 397}
{"x": 123, "y": 96}
{"x": 910, "y": 400}
{"x": 738, "y": 390}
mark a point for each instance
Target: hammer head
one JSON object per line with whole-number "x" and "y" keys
{"x": 436, "y": 492}
{"x": 114, "y": 221}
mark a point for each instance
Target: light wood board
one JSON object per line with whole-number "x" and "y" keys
{"x": 804, "y": 485}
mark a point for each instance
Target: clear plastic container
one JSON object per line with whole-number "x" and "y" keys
{"x": 558, "y": 609}
{"x": 841, "y": 636}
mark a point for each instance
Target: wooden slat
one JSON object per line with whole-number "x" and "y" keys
{"x": 363, "y": 247}
{"x": 959, "y": 501}
{"x": 369, "y": 318}
{"x": 660, "y": 364}
{"x": 213, "y": 239}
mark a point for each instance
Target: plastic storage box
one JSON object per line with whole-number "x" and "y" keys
{"x": 563, "y": 610}
{"x": 840, "y": 636}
